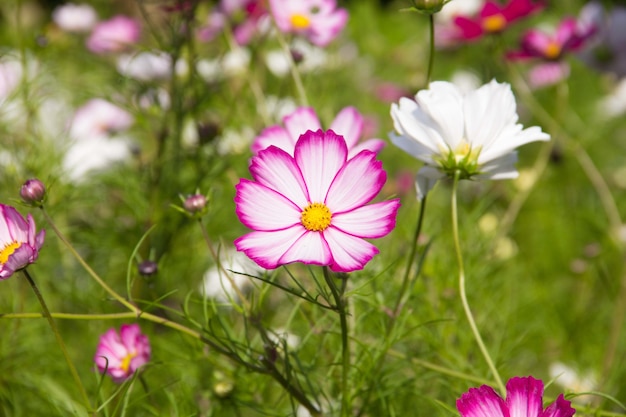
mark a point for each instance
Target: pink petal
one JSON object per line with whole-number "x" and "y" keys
{"x": 371, "y": 221}
{"x": 468, "y": 29}
{"x": 349, "y": 124}
{"x": 310, "y": 248}
{"x": 129, "y": 334}
{"x": 301, "y": 120}
{"x": 349, "y": 253}
{"x": 524, "y": 397}
{"x": 360, "y": 179}
{"x": 263, "y": 209}
{"x": 22, "y": 256}
{"x": 266, "y": 248}
{"x": 273, "y": 135}
{"x": 374, "y": 145}
{"x": 481, "y": 402}
{"x": 320, "y": 155}
{"x": 547, "y": 74}
{"x": 326, "y": 29}
{"x": 560, "y": 408}
{"x": 277, "y": 170}
{"x": 16, "y": 225}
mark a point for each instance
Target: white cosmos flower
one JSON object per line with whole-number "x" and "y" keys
{"x": 473, "y": 133}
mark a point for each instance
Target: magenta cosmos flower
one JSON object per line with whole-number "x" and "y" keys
{"x": 120, "y": 355}
{"x": 348, "y": 123}
{"x": 320, "y": 21}
{"x": 551, "y": 48}
{"x": 114, "y": 35}
{"x": 312, "y": 207}
{"x": 19, "y": 241}
{"x": 524, "y": 396}
{"x": 246, "y": 18}
{"x": 493, "y": 18}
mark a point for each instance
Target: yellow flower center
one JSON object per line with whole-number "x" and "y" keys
{"x": 553, "y": 50}
{"x": 300, "y": 21}
{"x": 125, "y": 365}
{"x": 494, "y": 23}
{"x": 463, "y": 158}
{"x": 316, "y": 217}
{"x": 8, "y": 250}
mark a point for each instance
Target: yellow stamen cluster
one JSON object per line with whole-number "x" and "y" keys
{"x": 300, "y": 21}
{"x": 316, "y": 217}
{"x": 463, "y": 158}
{"x": 125, "y": 365}
{"x": 8, "y": 250}
{"x": 494, "y": 23}
{"x": 553, "y": 50}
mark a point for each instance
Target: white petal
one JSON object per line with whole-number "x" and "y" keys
{"x": 310, "y": 248}
{"x": 266, "y": 248}
{"x": 261, "y": 208}
{"x": 426, "y": 179}
{"x": 443, "y": 102}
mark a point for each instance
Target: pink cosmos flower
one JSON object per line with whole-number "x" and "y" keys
{"x": 312, "y": 207}
{"x": 524, "y": 397}
{"x": 20, "y": 245}
{"x": 493, "y": 18}
{"x": 551, "y": 49}
{"x": 320, "y": 21}
{"x": 99, "y": 117}
{"x": 246, "y": 17}
{"x": 114, "y": 35}
{"x": 120, "y": 355}
{"x": 72, "y": 17}
{"x": 349, "y": 123}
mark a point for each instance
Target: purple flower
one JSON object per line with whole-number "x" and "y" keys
{"x": 312, "y": 207}
{"x": 114, "y": 35}
{"x": 19, "y": 242}
{"x": 348, "y": 123}
{"x": 246, "y": 17}
{"x": 524, "y": 398}
{"x": 320, "y": 21}
{"x": 120, "y": 355}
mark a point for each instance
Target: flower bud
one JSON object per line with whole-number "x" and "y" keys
{"x": 33, "y": 192}
{"x": 195, "y": 203}
{"x": 147, "y": 268}
{"x": 428, "y": 6}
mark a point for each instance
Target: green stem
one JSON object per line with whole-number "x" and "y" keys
{"x": 431, "y": 54}
{"x": 55, "y": 330}
{"x": 466, "y": 308}
{"x": 342, "y": 305}
{"x": 295, "y": 74}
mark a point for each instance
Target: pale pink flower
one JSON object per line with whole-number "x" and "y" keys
{"x": 19, "y": 242}
{"x": 120, "y": 355}
{"x": 99, "y": 117}
{"x": 72, "y": 17}
{"x": 11, "y": 72}
{"x": 524, "y": 398}
{"x": 312, "y": 207}
{"x": 320, "y": 21}
{"x": 348, "y": 123}
{"x": 114, "y": 35}
{"x": 146, "y": 66}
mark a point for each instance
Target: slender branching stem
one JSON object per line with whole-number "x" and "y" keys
{"x": 295, "y": 74}
{"x": 466, "y": 307}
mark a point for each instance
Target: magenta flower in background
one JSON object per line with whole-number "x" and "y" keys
{"x": 246, "y": 18}
{"x": 348, "y": 123}
{"x": 19, "y": 241}
{"x": 524, "y": 398}
{"x": 312, "y": 207}
{"x": 120, "y": 355}
{"x": 72, "y": 17}
{"x": 551, "y": 48}
{"x": 114, "y": 35}
{"x": 320, "y": 21}
{"x": 493, "y": 18}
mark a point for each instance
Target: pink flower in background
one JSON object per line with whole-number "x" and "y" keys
{"x": 99, "y": 117}
{"x": 551, "y": 48}
{"x": 312, "y": 207}
{"x": 320, "y": 21}
{"x": 120, "y": 355}
{"x": 524, "y": 398}
{"x": 114, "y": 35}
{"x": 72, "y": 17}
{"x": 19, "y": 241}
{"x": 493, "y": 18}
{"x": 246, "y": 17}
{"x": 349, "y": 123}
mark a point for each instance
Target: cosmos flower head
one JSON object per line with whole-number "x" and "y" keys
{"x": 473, "y": 134}
{"x": 348, "y": 123}
{"x": 247, "y": 18}
{"x": 121, "y": 354}
{"x": 524, "y": 397}
{"x": 320, "y": 21}
{"x": 72, "y": 17}
{"x": 312, "y": 207}
{"x": 19, "y": 241}
{"x": 114, "y": 35}
{"x": 493, "y": 18}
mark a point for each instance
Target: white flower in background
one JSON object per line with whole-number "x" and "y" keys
{"x": 93, "y": 146}
{"x": 145, "y": 66}
{"x": 10, "y": 76}
{"x": 311, "y": 58}
{"x": 233, "y": 63}
{"x": 217, "y": 286}
{"x": 614, "y": 104}
{"x": 571, "y": 380}
{"x": 456, "y": 8}
{"x": 233, "y": 141}
{"x": 280, "y": 336}
{"x": 466, "y": 81}
{"x": 473, "y": 134}
{"x": 280, "y": 107}
{"x": 72, "y": 17}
